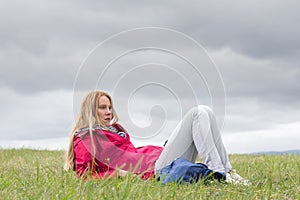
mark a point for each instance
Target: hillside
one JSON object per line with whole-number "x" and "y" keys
{"x": 34, "y": 174}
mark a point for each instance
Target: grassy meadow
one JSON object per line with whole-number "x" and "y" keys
{"x": 39, "y": 174}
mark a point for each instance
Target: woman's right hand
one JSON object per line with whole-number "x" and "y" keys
{"x": 122, "y": 173}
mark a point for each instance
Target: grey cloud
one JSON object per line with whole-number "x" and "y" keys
{"x": 262, "y": 79}
{"x": 44, "y": 38}
{"x": 43, "y": 115}
{"x": 249, "y": 114}
{"x": 44, "y": 42}
{"x": 260, "y": 29}
{"x": 27, "y": 73}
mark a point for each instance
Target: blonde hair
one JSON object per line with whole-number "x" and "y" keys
{"x": 87, "y": 118}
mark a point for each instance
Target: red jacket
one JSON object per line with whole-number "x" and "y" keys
{"x": 111, "y": 152}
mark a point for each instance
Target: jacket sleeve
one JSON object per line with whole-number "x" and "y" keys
{"x": 112, "y": 152}
{"x": 85, "y": 164}
{"x": 83, "y": 158}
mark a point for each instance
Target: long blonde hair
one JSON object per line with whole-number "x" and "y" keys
{"x": 87, "y": 118}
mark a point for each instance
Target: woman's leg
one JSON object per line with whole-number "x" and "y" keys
{"x": 196, "y": 134}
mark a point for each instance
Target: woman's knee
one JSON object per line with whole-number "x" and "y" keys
{"x": 200, "y": 110}
{"x": 206, "y": 108}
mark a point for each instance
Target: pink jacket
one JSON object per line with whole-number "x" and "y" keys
{"x": 112, "y": 151}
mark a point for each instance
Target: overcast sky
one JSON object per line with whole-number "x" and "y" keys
{"x": 254, "y": 44}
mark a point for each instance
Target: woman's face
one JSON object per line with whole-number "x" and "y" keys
{"x": 104, "y": 110}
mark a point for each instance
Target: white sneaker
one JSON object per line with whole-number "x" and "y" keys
{"x": 235, "y": 178}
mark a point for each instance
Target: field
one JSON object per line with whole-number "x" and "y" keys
{"x": 33, "y": 174}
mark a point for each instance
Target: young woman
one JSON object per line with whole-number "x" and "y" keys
{"x": 101, "y": 147}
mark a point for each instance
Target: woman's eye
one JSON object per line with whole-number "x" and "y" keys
{"x": 102, "y": 107}
{"x": 105, "y": 107}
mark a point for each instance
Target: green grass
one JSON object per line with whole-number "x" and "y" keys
{"x": 33, "y": 174}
